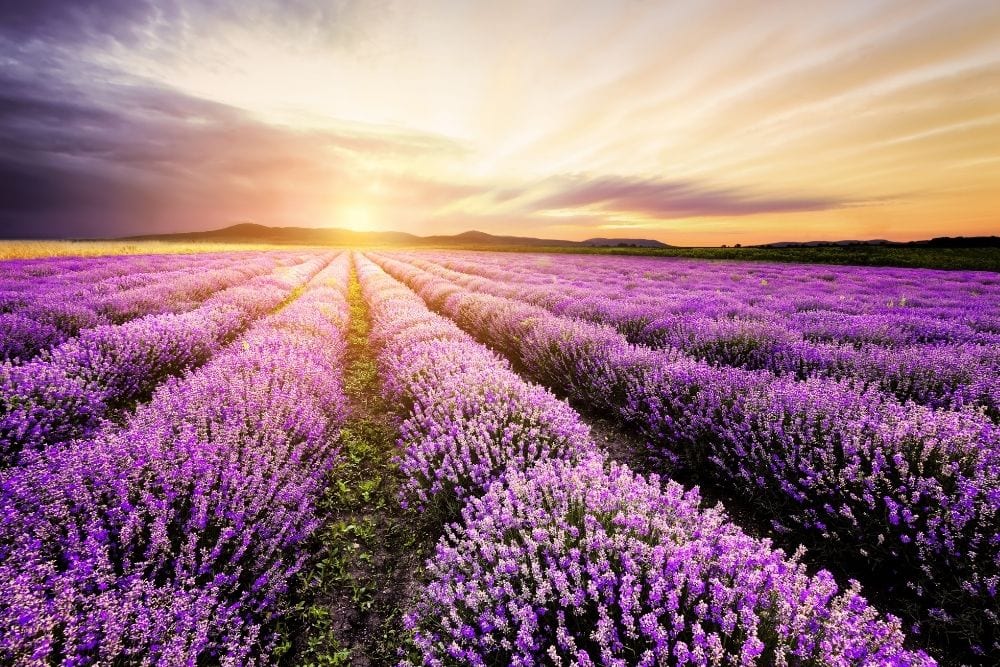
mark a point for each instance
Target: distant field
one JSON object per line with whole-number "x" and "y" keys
{"x": 967, "y": 259}
{"x": 36, "y": 249}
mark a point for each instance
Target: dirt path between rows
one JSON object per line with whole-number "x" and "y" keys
{"x": 369, "y": 550}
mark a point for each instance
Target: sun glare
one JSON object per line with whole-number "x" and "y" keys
{"x": 356, "y": 217}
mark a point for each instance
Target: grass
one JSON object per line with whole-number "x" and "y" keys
{"x": 914, "y": 257}
{"x": 39, "y": 249}
{"x": 966, "y": 259}
{"x": 370, "y": 550}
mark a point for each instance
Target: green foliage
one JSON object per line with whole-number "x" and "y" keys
{"x": 348, "y": 606}
{"x": 966, "y": 259}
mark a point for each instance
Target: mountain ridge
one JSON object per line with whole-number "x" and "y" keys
{"x": 249, "y": 232}
{"x": 255, "y": 233}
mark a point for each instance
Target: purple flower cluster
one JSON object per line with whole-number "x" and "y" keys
{"x": 38, "y": 312}
{"x": 560, "y": 557}
{"x": 183, "y": 289}
{"x": 923, "y": 348}
{"x": 173, "y": 540}
{"x": 909, "y": 489}
{"x": 23, "y": 337}
{"x": 65, "y": 392}
{"x": 896, "y": 306}
{"x": 590, "y": 564}
{"x": 469, "y": 416}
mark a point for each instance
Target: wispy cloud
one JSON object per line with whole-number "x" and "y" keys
{"x": 134, "y": 156}
{"x": 145, "y": 23}
{"x": 656, "y": 198}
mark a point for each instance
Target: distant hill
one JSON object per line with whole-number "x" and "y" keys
{"x": 254, "y": 233}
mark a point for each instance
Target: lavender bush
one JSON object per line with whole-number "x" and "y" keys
{"x": 45, "y": 311}
{"x": 469, "y": 416}
{"x": 173, "y": 541}
{"x": 557, "y": 560}
{"x": 111, "y": 366}
{"x": 575, "y": 564}
{"x": 937, "y": 347}
{"x": 902, "y": 486}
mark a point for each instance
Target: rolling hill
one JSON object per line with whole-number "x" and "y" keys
{"x": 254, "y": 233}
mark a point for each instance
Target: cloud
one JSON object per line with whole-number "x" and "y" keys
{"x": 136, "y": 23}
{"x": 138, "y": 116}
{"x": 654, "y": 198}
{"x": 121, "y": 156}
{"x": 575, "y": 205}
{"x": 79, "y": 21}
{"x": 128, "y": 157}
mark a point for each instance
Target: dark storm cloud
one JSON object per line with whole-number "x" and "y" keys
{"x": 669, "y": 199}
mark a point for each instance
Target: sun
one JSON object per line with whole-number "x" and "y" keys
{"x": 356, "y": 217}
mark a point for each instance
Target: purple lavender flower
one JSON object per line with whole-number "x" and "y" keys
{"x": 470, "y": 417}
{"x": 173, "y": 540}
{"x": 821, "y": 455}
{"x": 582, "y": 564}
{"x": 63, "y": 393}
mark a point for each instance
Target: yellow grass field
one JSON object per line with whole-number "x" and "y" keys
{"x": 35, "y": 249}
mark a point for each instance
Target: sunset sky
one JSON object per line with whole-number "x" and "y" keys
{"x": 694, "y": 123}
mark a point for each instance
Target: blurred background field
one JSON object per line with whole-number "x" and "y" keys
{"x": 965, "y": 259}
{"x": 913, "y": 257}
{"x": 34, "y": 249}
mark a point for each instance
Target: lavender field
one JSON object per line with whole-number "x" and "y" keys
{"x": 323, "y": 457}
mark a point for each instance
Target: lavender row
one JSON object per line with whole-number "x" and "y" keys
{"x": 951, "y": 376}
{"x": 20, "y": 290}
{"x": 173, "y": 541}
{"x": 856, "y": 307}
{"x": 470, "y": 416}
{"x": 560, "y": 556}
{"x": 53, "y": 270}
{"x": 909, "y": 492}
{"x": 45, "y": 315}
{"x": 67, "y": 392}
{"x": 21, "y": 278}
{"x": 180, "y": 289}
{"x": 892, "y": 306}
{"x": 38, "y": 312}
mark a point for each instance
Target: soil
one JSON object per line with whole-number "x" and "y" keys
{"x": 370, "y": 551}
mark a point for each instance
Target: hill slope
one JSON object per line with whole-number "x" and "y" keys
{"x": 253, "y": 233}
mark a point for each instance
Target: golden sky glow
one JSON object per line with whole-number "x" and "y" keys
{"x": 688, "y": 122}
